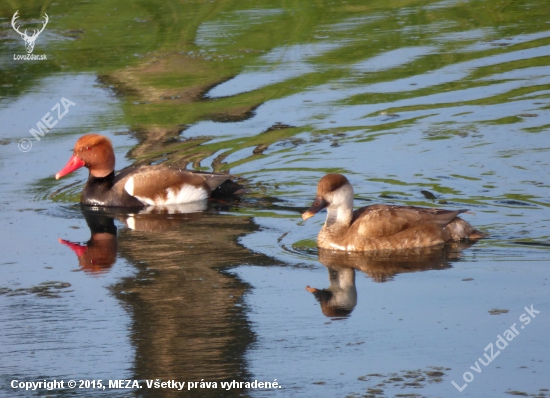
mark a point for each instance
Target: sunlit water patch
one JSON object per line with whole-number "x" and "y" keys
{"x": 393, "y": 59}
{"x": 281, "y": 64}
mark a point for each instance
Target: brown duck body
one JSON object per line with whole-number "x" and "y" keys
{"x": 381, "y": 227}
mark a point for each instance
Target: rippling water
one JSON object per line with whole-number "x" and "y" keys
{"x": 450, "y": 98}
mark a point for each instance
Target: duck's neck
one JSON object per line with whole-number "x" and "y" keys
{"x": 97, "y": 190}
{"x": 342, "y": 278}
{"x": 340, "y": 213}
{"x": 338, "y": 217}
{"x": 106, "y": 180}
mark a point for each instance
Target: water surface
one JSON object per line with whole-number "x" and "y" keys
{"x": 449, "y": 97}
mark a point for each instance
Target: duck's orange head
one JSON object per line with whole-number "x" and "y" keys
{"x": 94, "y": 151}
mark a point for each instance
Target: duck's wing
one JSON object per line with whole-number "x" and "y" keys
{"x": 159, "y": 186}
{"x": 383, "y": 221}
{"x": 213, "y": 180}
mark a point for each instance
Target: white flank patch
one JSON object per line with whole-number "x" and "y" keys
{"x": 129, "y": 186}
{"x": 147, "y": 201}
{"x": 186, "y": 194}
{"x": 181, "y": 208}
{"x": 131, "y": 222}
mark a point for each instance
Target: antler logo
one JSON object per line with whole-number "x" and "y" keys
{"x": 29, "y": 40}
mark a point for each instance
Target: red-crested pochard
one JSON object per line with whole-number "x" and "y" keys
{"x": 136, "y": 186}
{"x": 381, "y": 227}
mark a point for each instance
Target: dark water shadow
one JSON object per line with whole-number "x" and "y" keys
{"x": 188, "y": 314}
{"x": 340, "y": 298}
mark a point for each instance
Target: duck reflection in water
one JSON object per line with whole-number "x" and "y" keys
{"x": 99, "y": 253}
{"x": 340, "y": 298}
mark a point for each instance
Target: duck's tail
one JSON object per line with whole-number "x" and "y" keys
{"x": 460, "y": 230}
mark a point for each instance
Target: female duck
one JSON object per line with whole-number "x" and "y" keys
{"x": 137, "y": 186}
{"x": 381, "y": 227}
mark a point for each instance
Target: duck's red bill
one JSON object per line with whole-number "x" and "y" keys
{"x": 75, "y": 247}
{"x": 73, "y": 164}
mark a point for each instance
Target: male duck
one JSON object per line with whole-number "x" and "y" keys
{"x": 137, "y": 186}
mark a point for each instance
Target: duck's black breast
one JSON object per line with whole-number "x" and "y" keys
{"x": 108, "y": 192}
